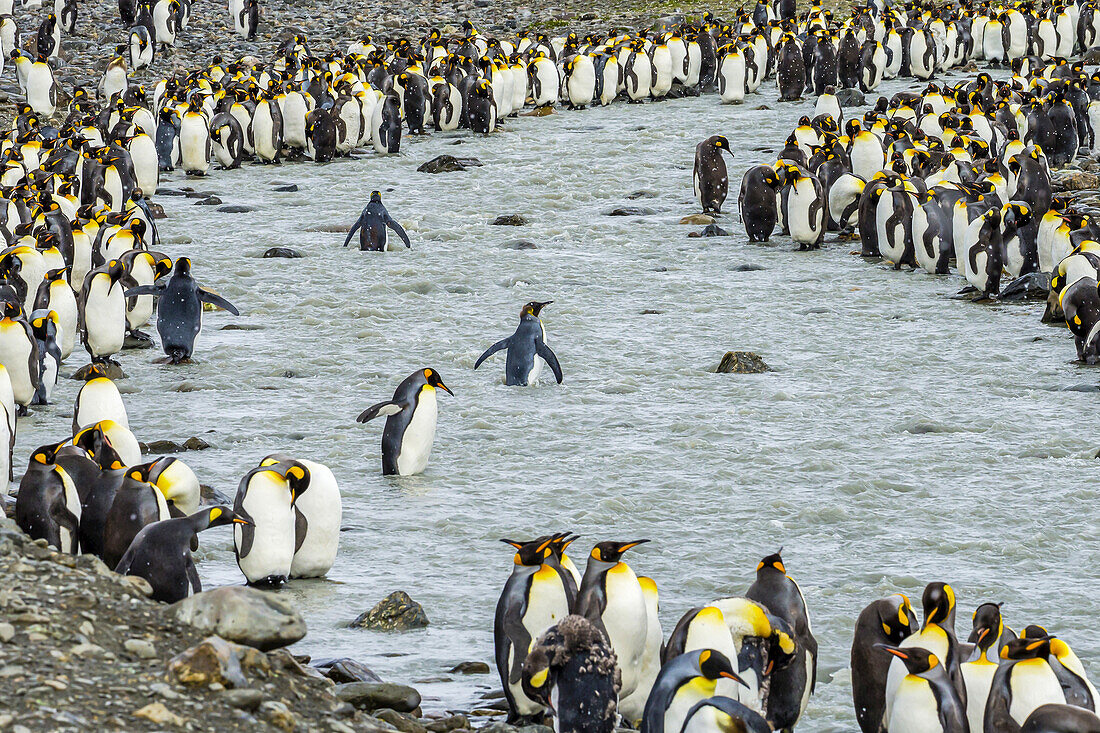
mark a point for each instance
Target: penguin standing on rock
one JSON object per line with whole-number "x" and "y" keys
{"x": 410, "y": 423}
{"x": 372, "y": 224}
{"x": 528, "y": 342}
{"x": 573, "y": 665}
{"x": 161, "y": 553}
{"x": 888, "y": 621}
{"x": 710, "y": 177}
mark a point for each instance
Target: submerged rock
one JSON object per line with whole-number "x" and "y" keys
{"x": 632, "y": 211}
{"x": 395, "y": 612}
{"x": 236, "y": 209}
{"x": 510, "y": 220}
{"x": 286, "y": 252}
{"x": 470, "y": 668}
{"x": 114, "y": 372}
{"x": 519, "y": 244}
{"x": 850, "y": 98}
{"x": 210, "y": 495}
{"x": 288, "y": 188}
{"x": 375, "y": 696}
{"x": 697, "y": 219}
{"x": 1033, "y": 286}
{"x": 643, "y": 193}
{"x": 448, "y": 164}
{"x": 742, "y": 362}
{"x": 243, "y": 615}
{"x": 137, "y": 340}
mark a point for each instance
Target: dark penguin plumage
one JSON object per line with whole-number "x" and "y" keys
{"x": 791, "y": 70}
{"x": 372, "y": 224}
{"x": 44, "y": 326}
{"x": 481, "y": 108}
{"x": 137, "y": 503}
{"x": 179, "y": 309}
{"x": 98, "y": 471}
{"x": 676, "y": 674}
{"x": 739, "y": 718}
{"x": 924, "y": 665}
{"x": 885, "y": 621}
{"x": 48, "y": 505}
{"x": 161, "y": 553}
{"x": 573, "y": 663}
{"x": 1080, "y": 302}
{"x": 232, "y": 140}
{"x": 523, "y": 346}
{"x": 416, "y": 392}
{"x": 788, "y": 686}
{"x": 1056, "y": 718}
{"x": 322, "y": 128}
{"x": 1025, "y": 666}
{"x": 710, "y": 176}
{"x": 389, "y": 135}
{"x": 757, "y": 202}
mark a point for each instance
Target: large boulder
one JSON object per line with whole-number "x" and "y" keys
{"x": 1074, "y": 180}
{"x": 216, "y": 661}
{"x": 244, "y": 615}
{"x": 395, "y": 612}
{"x": 448, "y": 164}
{"x": 377, "y": 695}
{"x": 742, "y": 362}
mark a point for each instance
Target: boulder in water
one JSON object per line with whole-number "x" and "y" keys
{"x": 742, "y": 362}
{"x": 510, "y": 220}
{"x": 378, "y": 695}
{"x": 285, "y": 252}
{"x": 697, "y": 219}
{"x": 448, "y": 164}
{"x": 632, "y": 211}
{"x": 395, "y": 612}
{"x": 850, "y": 98}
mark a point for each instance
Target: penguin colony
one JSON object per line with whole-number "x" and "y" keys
{"x": 956, "y": 176}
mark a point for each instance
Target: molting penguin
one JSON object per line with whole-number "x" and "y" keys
{"x": 265, "y": 542}
{"x": 48, "y": 505}
{"x": 372, "y": 224}
{"x": 792, "y": 684}
{"x": 179, "y": 312}
{"x": 757, "y": 202}
{"x": 572, "y": 671}
{"x": 410, "y": 423}
{"x": 709, "y": 175}
{"x": 161, "y": 553}
{"x": 528, "y": 342}
{"x": 317, "y": 514}
{"x": 684, "y": 681}
{"x": 534, "y": 599}
{"x": 926, "y": 699}
{"x": 889, "y": 621}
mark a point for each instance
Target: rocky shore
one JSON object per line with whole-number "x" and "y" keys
{"x": 82, "y": 648}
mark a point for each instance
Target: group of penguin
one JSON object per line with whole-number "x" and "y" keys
{"x": 953, "y": 173}
{"x": 929, "y": 681}
{"x": 589, "y": 649}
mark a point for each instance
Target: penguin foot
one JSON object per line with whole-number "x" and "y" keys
{"x": 22, "y": 411}
{"x": 270, "y": 581}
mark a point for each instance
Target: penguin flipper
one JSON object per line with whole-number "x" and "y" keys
{"x": 549, "y": 357}
{"x": 301, "y": 528}
{"x": 207, "y": 297}
{"x": 399, "y": 230}
{"x": 502, "y": 344}
{"x": 144, "y": 290}
{"x": 127, "y": 561}
{"x": 193, "y": 576}
{"x": 384, "y": 409}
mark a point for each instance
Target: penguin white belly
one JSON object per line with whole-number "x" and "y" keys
{"x": 931, "y": 638}
{"x": 416, "y": 443}
{"x": 662, "y": 64}
{"x": 193, "y": 143}
{"x": 15, "y": 354}
{"x": 267, "y": 501}
{"x": 915, "y": 709}
{"x": 546, "y": 605}
{"x": 263, "y": 127}
{"x": 731, "y": 76}
{"x": 320, "y": 504}
{"x": 143, "y": 153}
{"x": 708, "y": 630}
{"x": 1033, "y": 683}
{"x": 626, "y": 620}
{"x": 581, "y": 84}
{"x": 376, "y": 129}
{"x": 7, "y": 441}
{"x": 143, "y": 273}
{"x": 294, "y": 120}
{"x": 72, "y": 503}
{"x": 978, "y": 679}
{"x": 63, "y": 302}
{"x": 7, "y": 398}
{"x": 536, "y": 370}
{"x": 803, "y": 226}
{"x": 105, "y": 317}
{"x": 40, "y": 89}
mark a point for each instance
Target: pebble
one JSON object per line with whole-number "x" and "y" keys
{"x": 244, "y": 699}
{"x": 7, "y": 632}
{"x": 156, "y": 712}
{"x": 140, "y": 648}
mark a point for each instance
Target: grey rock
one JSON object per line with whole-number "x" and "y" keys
{"x": 137, "y": 340}
{"x": 742, "y": 362}
{"x": 140, "y": 648}
{"x": 453, "y": 722}
{"x": 713, "y": 230}
{"x": 244, "y": 699}
{"x": 209, "y": 201}
{"x": 632, "y": 211}
{"x": 1071, "y": 180}
{"x": 644, "y": 193}
{"x": 114, "y": 372}
{"x": 236, "y": 209}
{"x": 519, "y": 244}
{"x": 510, "y": 220}
{"x": 289, "y": 188}
{"x": 448, "y": 164}
{"x": 243, "y": 615}
{"x": 346, "y": 670}
{"x": 375, "y": 696}
{"x": 850, "y": 98}
{"x": 286, "y": 252}
{"x": 395, "y": 612}
{"x": 748, "y": 268}
{"x": 402, "y": 721}
{"x": 470, "y": 668}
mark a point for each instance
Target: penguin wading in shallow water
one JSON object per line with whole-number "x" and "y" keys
{"x": 372, "y": 224}
{"x": 710, "y": 176}
{"x": 265, "y": 542}
{"x": 528, "y": 342}
{"x": 410, "y": 423}
{"x": 925, "y": 699}
{"x": 534, "y": 599}
{"x": 317, "y": 514}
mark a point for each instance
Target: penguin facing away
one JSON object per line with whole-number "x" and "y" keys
{"x": 528, "y": 342}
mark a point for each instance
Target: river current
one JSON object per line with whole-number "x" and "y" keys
{"x": 904, "y": 436}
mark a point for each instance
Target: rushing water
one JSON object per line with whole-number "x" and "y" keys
{"x": 903, "y": 436}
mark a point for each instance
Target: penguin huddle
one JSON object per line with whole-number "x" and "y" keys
{"x": 954, "y": 178}
{"x": 742, "y": 663}
{"x": 927, "y": 679}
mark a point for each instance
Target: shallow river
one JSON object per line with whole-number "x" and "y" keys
{"x": 903, "y": 436}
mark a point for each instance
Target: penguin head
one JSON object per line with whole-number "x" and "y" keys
{"x": 46, "y": 454}
{"x": 560, "y": 542}
{"x": 532, "y": 309}
{"x": 217, "y": 516}
{"x": 772, "y": 562}
{"x": 1027, "y": 648}
{"x": 95, "y": 371}
{"x": 95, "y": 441}
{"x": 182, "y": 266}
{"x": 612, "y": 552}
{"x": 988, "y": 625}
{"x": 433, "y": 380}
{"x": 12, "y": 310}
{"x": 901, "y": 624}
{"x": 375, "y": 197}
{"x": 938, "y": 602}
{"x": 531, "y": 554}
{"x": 919, "y": 662}
{"x": 714, "y": 665}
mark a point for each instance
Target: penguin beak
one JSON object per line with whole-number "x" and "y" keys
{"x": 626, "y": 546}
{"x": 893, "y": 650}
{"x": 982, "y": 634}
{"x": 733, "y": 676}
{"x": 242, "y": 520}
{"x": 539, "y": 306}
{"x": 445, "y": 388}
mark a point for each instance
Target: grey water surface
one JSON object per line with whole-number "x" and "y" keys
{"x": 904, "y": 436}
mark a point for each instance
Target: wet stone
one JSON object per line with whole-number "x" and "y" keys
{"x": 470, "y": 668}
{"x": 510, "y": 220}
{"x": 632, "y": 211}
{"x": 285, "y": 252}
{"x": 395, "y": 612}
{"x": 236, "y": 209}
{"x": 742, "y": 362}
{"x": 448, "y": 164}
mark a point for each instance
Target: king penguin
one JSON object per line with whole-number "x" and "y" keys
{"x": 721, "y": 714}
{"x": 265, "y": 542}
{"x": 709, "y": 175}
{"x": 925, "y": 699}
{"x": 889, "y": 621}
{"x": 1024, "y": 681}
{"x": 632, "y": 706}
{"x": 528, "y": 342}
{"x": 317, "y": 515}
{"x": 410, "y": 423}
{"x": 978, "y": 670}
{"x": 684, "y": 681}
{"x": 48, "y": 505}
{"x": 533, "y": 600}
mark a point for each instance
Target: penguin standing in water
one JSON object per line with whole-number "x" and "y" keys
{"x": 528, "y": 342}
{"x": 756, "y": 204}
{"x": 887, "y": 621}
{"x": 926, "y": 699}
{"x": 265, "y": 541}
{"x": 611, "y": 598}
{"x": 684, "y": 681}
{"x": 571, "y": 670}
{"x": 709, "y": 175}
{"x": 372, "y": 224}
{"x": 410, "y": 423}
{"x": 98, "y": 399}
{"x": 48, "y": 505}
{"x": 317, "y": 514}
{"x": 44, "y": 325}
{"x": 161, "y": 553}
{"x": 534, "y": 599}
{"x": 790, "y": 685}
{"x": 103, "y": 311}
{"x": 179, "y": 312}
{"x": 1024, "y": 681}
